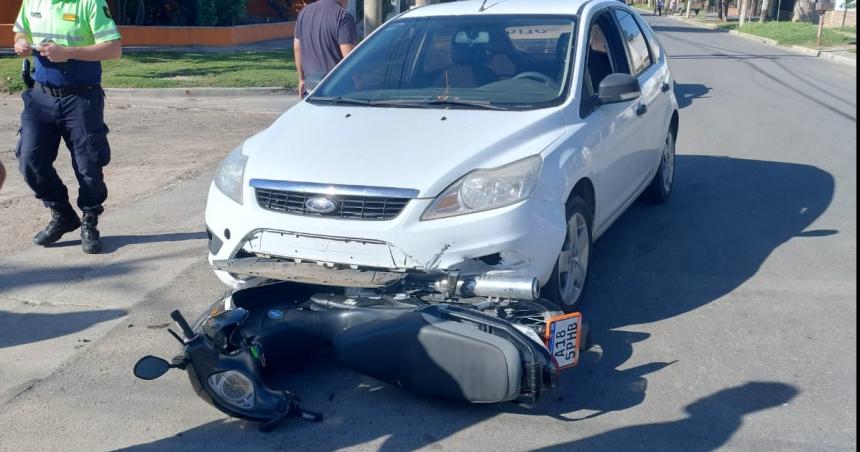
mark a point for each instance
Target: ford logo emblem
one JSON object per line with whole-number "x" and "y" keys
{"x": 320, "y": 205}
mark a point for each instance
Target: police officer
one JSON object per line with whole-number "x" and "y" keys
{"x": 69, "y": 39}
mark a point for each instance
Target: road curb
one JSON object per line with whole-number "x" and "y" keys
{"x": 200, "y": 92}
{"x": 755, "y": 38}
{"x": 838, "y": 59}
{"x": 806, "y": 51}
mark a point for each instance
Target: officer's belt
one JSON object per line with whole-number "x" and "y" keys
{"x": 66, "y": 90}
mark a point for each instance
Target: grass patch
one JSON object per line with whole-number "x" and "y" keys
{"x": 792, "y": 33}
{"x": 182, "y": 70}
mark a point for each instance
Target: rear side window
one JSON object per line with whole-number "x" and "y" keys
{"x": 637, "y": 48}
{"x": 653, "y": 43}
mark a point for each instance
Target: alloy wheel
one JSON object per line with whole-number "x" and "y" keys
{"x": 573, "y": 259}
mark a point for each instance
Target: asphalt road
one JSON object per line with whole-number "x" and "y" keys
{"x": 726, "y": 319}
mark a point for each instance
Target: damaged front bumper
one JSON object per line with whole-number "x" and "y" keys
{"x": 520, "y": 240}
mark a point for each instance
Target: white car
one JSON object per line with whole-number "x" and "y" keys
{"x": 492, "y": 139}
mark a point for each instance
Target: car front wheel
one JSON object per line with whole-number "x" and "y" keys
{"x": 661, "y": 187}
{"x": 569, "y": 278}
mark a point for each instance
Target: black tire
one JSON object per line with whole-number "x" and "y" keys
{"x": 557, "y": 289}
{"x": 660, "y": 189}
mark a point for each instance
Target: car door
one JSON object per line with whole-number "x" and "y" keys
{"x": 644, "y": 145}
{"x": 607, "y": 133}
{"x": 663, "y": 77}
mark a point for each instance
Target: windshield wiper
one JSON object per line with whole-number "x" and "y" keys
{"x": 437, "y": 101}
{"x": 484, "y": 105}
{"x": 408, "y": 103}
{"x": 340, "y": 100}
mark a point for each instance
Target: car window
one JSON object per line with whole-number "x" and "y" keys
{"x": 599, "y": 61}
{"x": 637, "y": 48}
{"x": 505, "y": 61}
{"x": 653, "y": 43}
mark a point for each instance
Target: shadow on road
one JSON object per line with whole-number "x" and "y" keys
{"x": 657, "y": 262}
{"x": 111, "y": 243}
{"x": 711, "y": 421}
{"x": 19, "y": 329}
{"x": 687, "y": 92}
{"x": 12, "y": 278}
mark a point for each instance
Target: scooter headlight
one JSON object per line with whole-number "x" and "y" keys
{"x": 234, "y": 388}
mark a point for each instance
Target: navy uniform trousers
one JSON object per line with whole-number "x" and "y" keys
{"x": 79, "y": 121}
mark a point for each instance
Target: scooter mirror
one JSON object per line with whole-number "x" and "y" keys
{"x": 151, "y": 367}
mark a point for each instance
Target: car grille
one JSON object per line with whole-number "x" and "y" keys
{"x": 347, "y": 207}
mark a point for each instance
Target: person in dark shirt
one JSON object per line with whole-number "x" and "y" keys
{"x": 325, "y": 33}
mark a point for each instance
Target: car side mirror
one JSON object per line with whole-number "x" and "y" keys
{"x": 616, "y": 88}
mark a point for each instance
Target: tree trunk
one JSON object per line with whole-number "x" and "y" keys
{"x": 138, "y": 14}
{"x": 804, "y": 10}
{"x": 765, "y": 4}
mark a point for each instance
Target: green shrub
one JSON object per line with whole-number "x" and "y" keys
{"x": 207, "y": 15}
{"x": 230, "y": 12}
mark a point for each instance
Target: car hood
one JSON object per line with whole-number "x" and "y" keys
{"x": 421, "y": 149}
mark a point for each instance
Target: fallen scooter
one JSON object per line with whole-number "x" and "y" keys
{"x": 435, "y": 338}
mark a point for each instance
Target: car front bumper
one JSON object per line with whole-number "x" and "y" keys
{"x": 521, "y": 240}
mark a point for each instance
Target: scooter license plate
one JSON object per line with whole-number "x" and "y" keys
{"x": 563, "y": 335}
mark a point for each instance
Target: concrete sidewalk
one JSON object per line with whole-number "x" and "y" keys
{"x": 56, "y": 302}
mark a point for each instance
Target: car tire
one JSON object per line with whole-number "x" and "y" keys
{"x": 569, "y": 279}
{"x": 660, "y": 189}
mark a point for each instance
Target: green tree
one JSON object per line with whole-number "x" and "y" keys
{"x": 846, "y": 5}
{"x": 230, "y": 12}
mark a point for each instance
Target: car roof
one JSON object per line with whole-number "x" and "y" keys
{"x": 497, "y": 7}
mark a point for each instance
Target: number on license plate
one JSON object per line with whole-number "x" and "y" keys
{"x": 563, "y": 337}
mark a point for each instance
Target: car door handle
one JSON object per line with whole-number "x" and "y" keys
{"x": 641, "y": 109}
{"x": 665, "y": 87}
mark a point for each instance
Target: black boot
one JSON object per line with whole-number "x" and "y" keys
{"x": 63, "y": 220}
{"x": 90, "y": 237}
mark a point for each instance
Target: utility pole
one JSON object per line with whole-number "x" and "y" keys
{"x": 820, "y": 28}
{"x": 688, "y": 8}
{"x": 372, "y": 15}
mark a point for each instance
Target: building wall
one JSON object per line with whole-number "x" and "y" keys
{"x": 9, "y": 11}
{"x": 834, "y": 19}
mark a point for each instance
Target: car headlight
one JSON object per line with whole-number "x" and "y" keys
{"x": 487, "y": 189}
{"x": 234, "y": 388}
{"x": 231, "y": 173}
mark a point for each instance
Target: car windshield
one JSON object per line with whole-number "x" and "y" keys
{"x": 475, "y": 62}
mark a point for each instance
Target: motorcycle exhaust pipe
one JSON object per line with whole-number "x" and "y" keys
{"x": 493, "y": 286}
